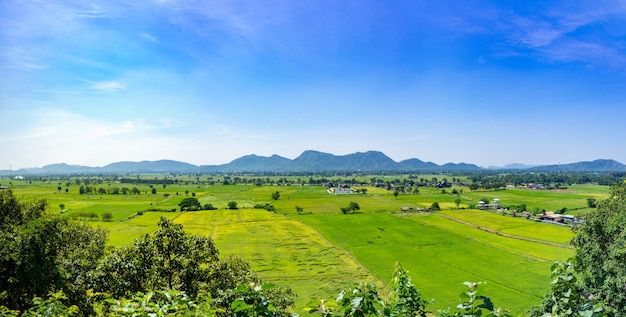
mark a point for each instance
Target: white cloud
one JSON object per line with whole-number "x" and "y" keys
{"x": 149, "y": 37}
{"x": 106, "y": 86}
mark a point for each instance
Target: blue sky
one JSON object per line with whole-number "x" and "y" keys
{"x": 205, "y": 82}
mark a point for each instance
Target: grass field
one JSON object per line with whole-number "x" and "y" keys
{"x": 282, "y": 250}
{"x": 323, "y": 251}
{"x": 441, "y": 254}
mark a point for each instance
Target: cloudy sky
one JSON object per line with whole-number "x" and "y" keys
{"x": 205, "y": 82}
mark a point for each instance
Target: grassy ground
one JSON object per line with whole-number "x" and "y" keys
{"x": 322, "y": 251}
{"x": 441, "y": 254}
{"x": 282, "y": 250}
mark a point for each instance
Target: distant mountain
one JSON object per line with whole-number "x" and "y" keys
{"x": 513, "y": 166}
{"x": 586, "y": 166}
{"x": 417, "y": 165}
{"x": 60, "y": 168}
{"x": 324, "y": 162}
{"x": 460, "y": 167}
{"x": 161, "y": 166}
{"x": 255, "y": 163}
{"x": 308, "y": 161}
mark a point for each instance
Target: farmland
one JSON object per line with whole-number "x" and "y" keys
{"x": 321, "y": 251}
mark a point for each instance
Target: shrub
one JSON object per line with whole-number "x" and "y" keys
{"x": 107, "y": 216}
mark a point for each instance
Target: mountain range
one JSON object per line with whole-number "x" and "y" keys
{"x": 308, "y": 161}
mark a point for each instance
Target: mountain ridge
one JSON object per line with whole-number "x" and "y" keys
{"x": 309, "y": 161}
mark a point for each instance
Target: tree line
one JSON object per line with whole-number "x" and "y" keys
{"x": 53, "y": 266}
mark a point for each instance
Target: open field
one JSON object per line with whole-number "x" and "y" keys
{"x": 575, "y": 197}
{"x": 441, "y": 254}
{"x": 323, "y": 251}
{"x": 282, "y": 250}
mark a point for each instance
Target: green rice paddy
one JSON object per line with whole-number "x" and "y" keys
{"x": 323, "y": 251}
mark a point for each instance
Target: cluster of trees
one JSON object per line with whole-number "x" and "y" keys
{"x": 492, "y": 180}
{"x": 193, "y": 204}
{"x": 50, "y": 265}
{"x": 351, "y": 208}
{"x": 111, "y": 190}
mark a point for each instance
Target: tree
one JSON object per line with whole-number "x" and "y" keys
{"x": 354, "y": 206}
{"x": 299, "y": 210}
{"x": 600, "y": 252}
{"x": 175, "y": 260}
{"x": 232, "y": 205}
{"x": 275, "y": 195}
{"x": 567, "y": 296}
{"x": 41, "y": 252}
{"x": 62, "y": 207}
{"x": 154, "y": 191}
{"x": 189, "y": 203}
{"x": 457, "y": 202}
{"x": 396, "y": 192}
{"x": 591, "y": 202}
{"x": 167, "y": 259}
{"x": 435, "y": 206}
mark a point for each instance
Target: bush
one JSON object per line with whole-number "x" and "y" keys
{"x": 107, "y": 216}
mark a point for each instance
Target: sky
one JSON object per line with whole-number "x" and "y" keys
{"x": 205, "y": 82}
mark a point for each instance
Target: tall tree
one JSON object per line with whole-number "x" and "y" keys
{"x": 173, "y": 259}
{"x": 41, "y": 253}
{"x": 601, "y": 251}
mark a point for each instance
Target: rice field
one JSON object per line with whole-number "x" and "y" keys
{"x": 322, "y": 251}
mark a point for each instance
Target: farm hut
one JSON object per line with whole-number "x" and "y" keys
{"x": 549, "y": 215}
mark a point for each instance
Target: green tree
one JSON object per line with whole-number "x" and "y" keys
{"x": 299, "y": 210}
{"x": 189, "y": 203}
{"x": 600, "y": 251}
{"x": 435, "y": 206}
{"x": 591, "y": 202}
{"x": 567, "y": 296}
{"x": 457, "y": 202}
{"x": 354, "y": 206}
{"x": 275, "y": 195}
{"x": 41, "y": 252}
{"x": 232, "y": 205}
{"x": 174, "y": 260}
{"x": 157, "y": 303}
{"x": 167, "y": 259}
